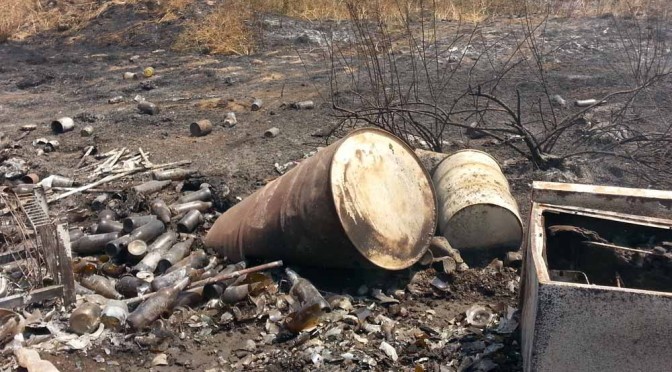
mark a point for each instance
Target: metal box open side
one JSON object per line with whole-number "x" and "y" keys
{"x": 622, "y": 321}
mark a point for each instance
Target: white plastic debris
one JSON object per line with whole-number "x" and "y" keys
{"x": 389, "y": 351}
{"x": 478, "y": 316}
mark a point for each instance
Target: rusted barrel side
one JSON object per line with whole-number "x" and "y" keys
{"x": 364, "y": 201}
{"x": 476, "y": 209}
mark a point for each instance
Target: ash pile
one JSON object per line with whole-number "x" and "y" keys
{"x": 333, "y": 265}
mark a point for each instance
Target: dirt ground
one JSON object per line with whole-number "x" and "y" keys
{"x": 54, "y": 75}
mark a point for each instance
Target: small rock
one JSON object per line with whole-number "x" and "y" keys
{"x": 134, "y": 58}
{"x": 148, "y": 108}
{"x": 147, "y": 85}
{"x": 514, "y": 259}
{"x": 659, "y": 250}
{"x": 250, "y": 345}
{"x": 256, "y": 62}
{"x": 558, "y": 101}
{"x": 115, "y": 100}
{"x": 89, "y": 117}
{"x": 160, "y": 360}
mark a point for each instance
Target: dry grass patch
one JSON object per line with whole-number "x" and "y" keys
{"x": 14, "y": 14}
{"x": 226, "y": 30}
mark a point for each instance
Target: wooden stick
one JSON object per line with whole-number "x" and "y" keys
{"x": 612, "y": 246}
{"x": 87, "y": 191}
{"x": 81, "y": 161}
{"x": 92, "y": 185}
{"x": 145, "y": 158}
{"x": 114, "y": 161}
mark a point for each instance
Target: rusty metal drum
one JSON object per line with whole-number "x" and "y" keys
{"x": 364, "y": 201}
{"x": 476, "y": 209}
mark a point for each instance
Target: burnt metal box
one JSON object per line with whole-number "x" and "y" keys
{"x": 597, "y": 279}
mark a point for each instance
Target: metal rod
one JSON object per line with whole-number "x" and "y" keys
{"x": 612, "y": 246}
{"x": 236, "y": 274}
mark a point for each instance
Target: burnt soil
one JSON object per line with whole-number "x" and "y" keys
{"x": 54, "y": 75}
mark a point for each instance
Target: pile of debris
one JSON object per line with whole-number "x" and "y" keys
{"x": 142, "y": 257}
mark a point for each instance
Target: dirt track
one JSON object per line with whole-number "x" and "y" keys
{"x": 53, "y": 76}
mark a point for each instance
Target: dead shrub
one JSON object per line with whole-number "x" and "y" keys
{"x": 14, "y": 14}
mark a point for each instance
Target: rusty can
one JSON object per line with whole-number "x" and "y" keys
{"x": 200, "y": 128}
{"x": 87, "y": 131}
{"x": 60, "y": 181}
{"x": 364, "y": 201}
{"x": 476, "y": 209}
{"x": 272, "y": 132}
{"x": 62, "y": 125}
{"x": 303, "y": 105}
{"x": 148, "y": 108}
{"x": 256, "y": 104}
{"x": 230, "y": 121}
{"x": 30, "y": 178}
